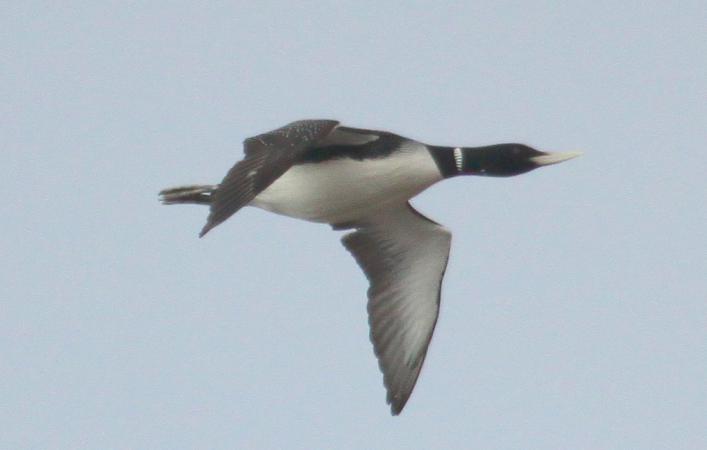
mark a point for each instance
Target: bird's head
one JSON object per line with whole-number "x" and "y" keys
{"x": 505, "y": 160}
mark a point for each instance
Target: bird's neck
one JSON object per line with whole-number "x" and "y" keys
{"x": 453, "y": 161}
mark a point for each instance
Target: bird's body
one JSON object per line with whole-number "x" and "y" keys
{"x": 362, "y": 179}
{"x": 343, "y": 189}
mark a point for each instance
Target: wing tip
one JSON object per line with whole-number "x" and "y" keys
{"x": 398, "y": 404}
{"x": 208, "y": 227}
{"x": 395, "y": 409}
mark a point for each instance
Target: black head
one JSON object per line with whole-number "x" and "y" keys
{"x": 505, "y": 160}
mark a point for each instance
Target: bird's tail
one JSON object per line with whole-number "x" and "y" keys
{"x": 197, "y": 194}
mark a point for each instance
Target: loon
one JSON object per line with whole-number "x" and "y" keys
{"x": 362, "y": 180}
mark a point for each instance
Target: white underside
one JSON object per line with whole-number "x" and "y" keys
{"x": 344, "y": 190}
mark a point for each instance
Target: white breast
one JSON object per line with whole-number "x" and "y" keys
{"x": 342, "y": 190}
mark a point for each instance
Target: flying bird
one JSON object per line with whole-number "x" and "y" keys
{"x": 362, "y": 180}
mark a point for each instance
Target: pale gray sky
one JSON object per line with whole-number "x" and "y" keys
{"x": 574, "y": 312}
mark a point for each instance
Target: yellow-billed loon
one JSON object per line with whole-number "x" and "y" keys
{"x": 363, "y": 180}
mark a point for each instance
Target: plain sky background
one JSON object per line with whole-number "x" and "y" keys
{"x": 574, "y": 312}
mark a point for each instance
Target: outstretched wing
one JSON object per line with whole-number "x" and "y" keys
{"x": 267, "y": 157}
{"x": 404, "y": 256}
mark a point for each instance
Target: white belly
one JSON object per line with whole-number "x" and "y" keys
{"x": 343, "y": 190}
